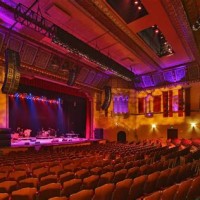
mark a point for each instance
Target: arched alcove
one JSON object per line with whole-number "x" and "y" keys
{"x": 121, "y": 137}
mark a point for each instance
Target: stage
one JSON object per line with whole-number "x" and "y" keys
{"x": 52, "y": 141}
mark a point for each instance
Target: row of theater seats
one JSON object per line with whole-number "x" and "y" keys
{"x": 41, "y": 170}
{"x": 142, "y": 184}
{"x": 128, "y": 189}
{"x": 188, "y": 189}
{"x": 84, "y": 169}
{"x": 89, "y": 149}
{"x": 185, "y": 142}
{"x": 67, "y": 157}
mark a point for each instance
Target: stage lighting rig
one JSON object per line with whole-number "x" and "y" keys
{"x": 35, "y": 21}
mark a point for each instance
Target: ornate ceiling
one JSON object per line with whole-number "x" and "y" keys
{"x": 118, "y": 49}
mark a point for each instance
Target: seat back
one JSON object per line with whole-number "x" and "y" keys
{"x": 122, "y": 189}
{"x": 104, "y": 192}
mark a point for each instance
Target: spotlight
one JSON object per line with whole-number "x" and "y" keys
{"x": 139, "y": 7}
{"x": 136, "y": 2}
{"x": 153, "y": 126}
{"x": 193, "y": 125}
{"x": 196, "y": 25}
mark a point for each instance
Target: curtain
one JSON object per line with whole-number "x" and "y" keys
{"x": 88, "y": 119}
{"x": 157, "y": 103}
{"x": 187, "y": 101}
{"x": 66, "y": 90}
{"x": 165, "y": 104}
{"x": 170, "y": 114}
{"x": 141, "y": 105}
{"x": 180, "y": 102}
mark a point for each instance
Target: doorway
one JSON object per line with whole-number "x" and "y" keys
{"x": 121, "y": 137}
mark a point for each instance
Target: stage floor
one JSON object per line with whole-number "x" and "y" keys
{"x": 32, "y": 141}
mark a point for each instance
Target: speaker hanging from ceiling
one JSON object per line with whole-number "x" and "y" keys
{"x": 72, "y": 77}
{"x": 12, "y": 74}
{"x": 107, "y": 99}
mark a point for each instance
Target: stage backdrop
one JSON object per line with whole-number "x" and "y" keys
{"x": 66, "y": 117}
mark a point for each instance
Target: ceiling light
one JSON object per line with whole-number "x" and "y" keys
{"x": 139, "y": 7}
{"x": 196, "y": 25}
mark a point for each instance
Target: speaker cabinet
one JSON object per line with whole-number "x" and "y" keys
{"x": 98, "y": 133}
{"x": 12, "y": 75}
{"x": 5, "y": 137}
{"x": 108, "y": 97}
{"x": 172, "y": 133}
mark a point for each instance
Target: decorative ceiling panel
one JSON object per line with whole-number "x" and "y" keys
{"x": 180, "y": 74}
{"x": 29, "y": 53}
{"x": 42, "y": 59}
{"x": 82, "y": 74}
{"x": 54, "y": 63}
{"x": 139, "y": 85}
{"x": 90, "y": 77}
{"x": 103, "y": 81}
{"x": 169, "y": 76}
{"x": 97, "y": 79}
{"x": 15, "y": 44}
{"x": 158, "y": 78}
{"x": 147, "y": 80}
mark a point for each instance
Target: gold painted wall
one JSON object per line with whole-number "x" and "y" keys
{"x": 115, "y": 123}
{"x": 3, "y": 103}
{"x": 139, "y": 127}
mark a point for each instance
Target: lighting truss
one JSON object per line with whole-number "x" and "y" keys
{"x": 37, "y": 22}
{"x": 34, "y": 21}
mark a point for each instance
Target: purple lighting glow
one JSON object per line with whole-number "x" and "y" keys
{"x": 120, "y": 104}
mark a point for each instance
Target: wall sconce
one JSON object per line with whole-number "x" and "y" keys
{"x": 193, "y": 125}
{"x": 153, "y": 126}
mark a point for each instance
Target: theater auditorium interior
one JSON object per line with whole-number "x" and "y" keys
{"x": 99, "y": 99}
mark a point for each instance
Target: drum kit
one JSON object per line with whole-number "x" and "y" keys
{"x": 49, "y": 133}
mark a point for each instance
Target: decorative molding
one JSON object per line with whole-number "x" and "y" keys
{"x": 178, "y": 17}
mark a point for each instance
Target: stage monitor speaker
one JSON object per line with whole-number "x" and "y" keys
{"x": 107, "y": 99}
{"x": 72, "y": 77}
{"x": 172, "y": 133}
{"x": 5, "y": 137}
{"x": 12, "y": 75}
{"x": 98, "y": 133}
